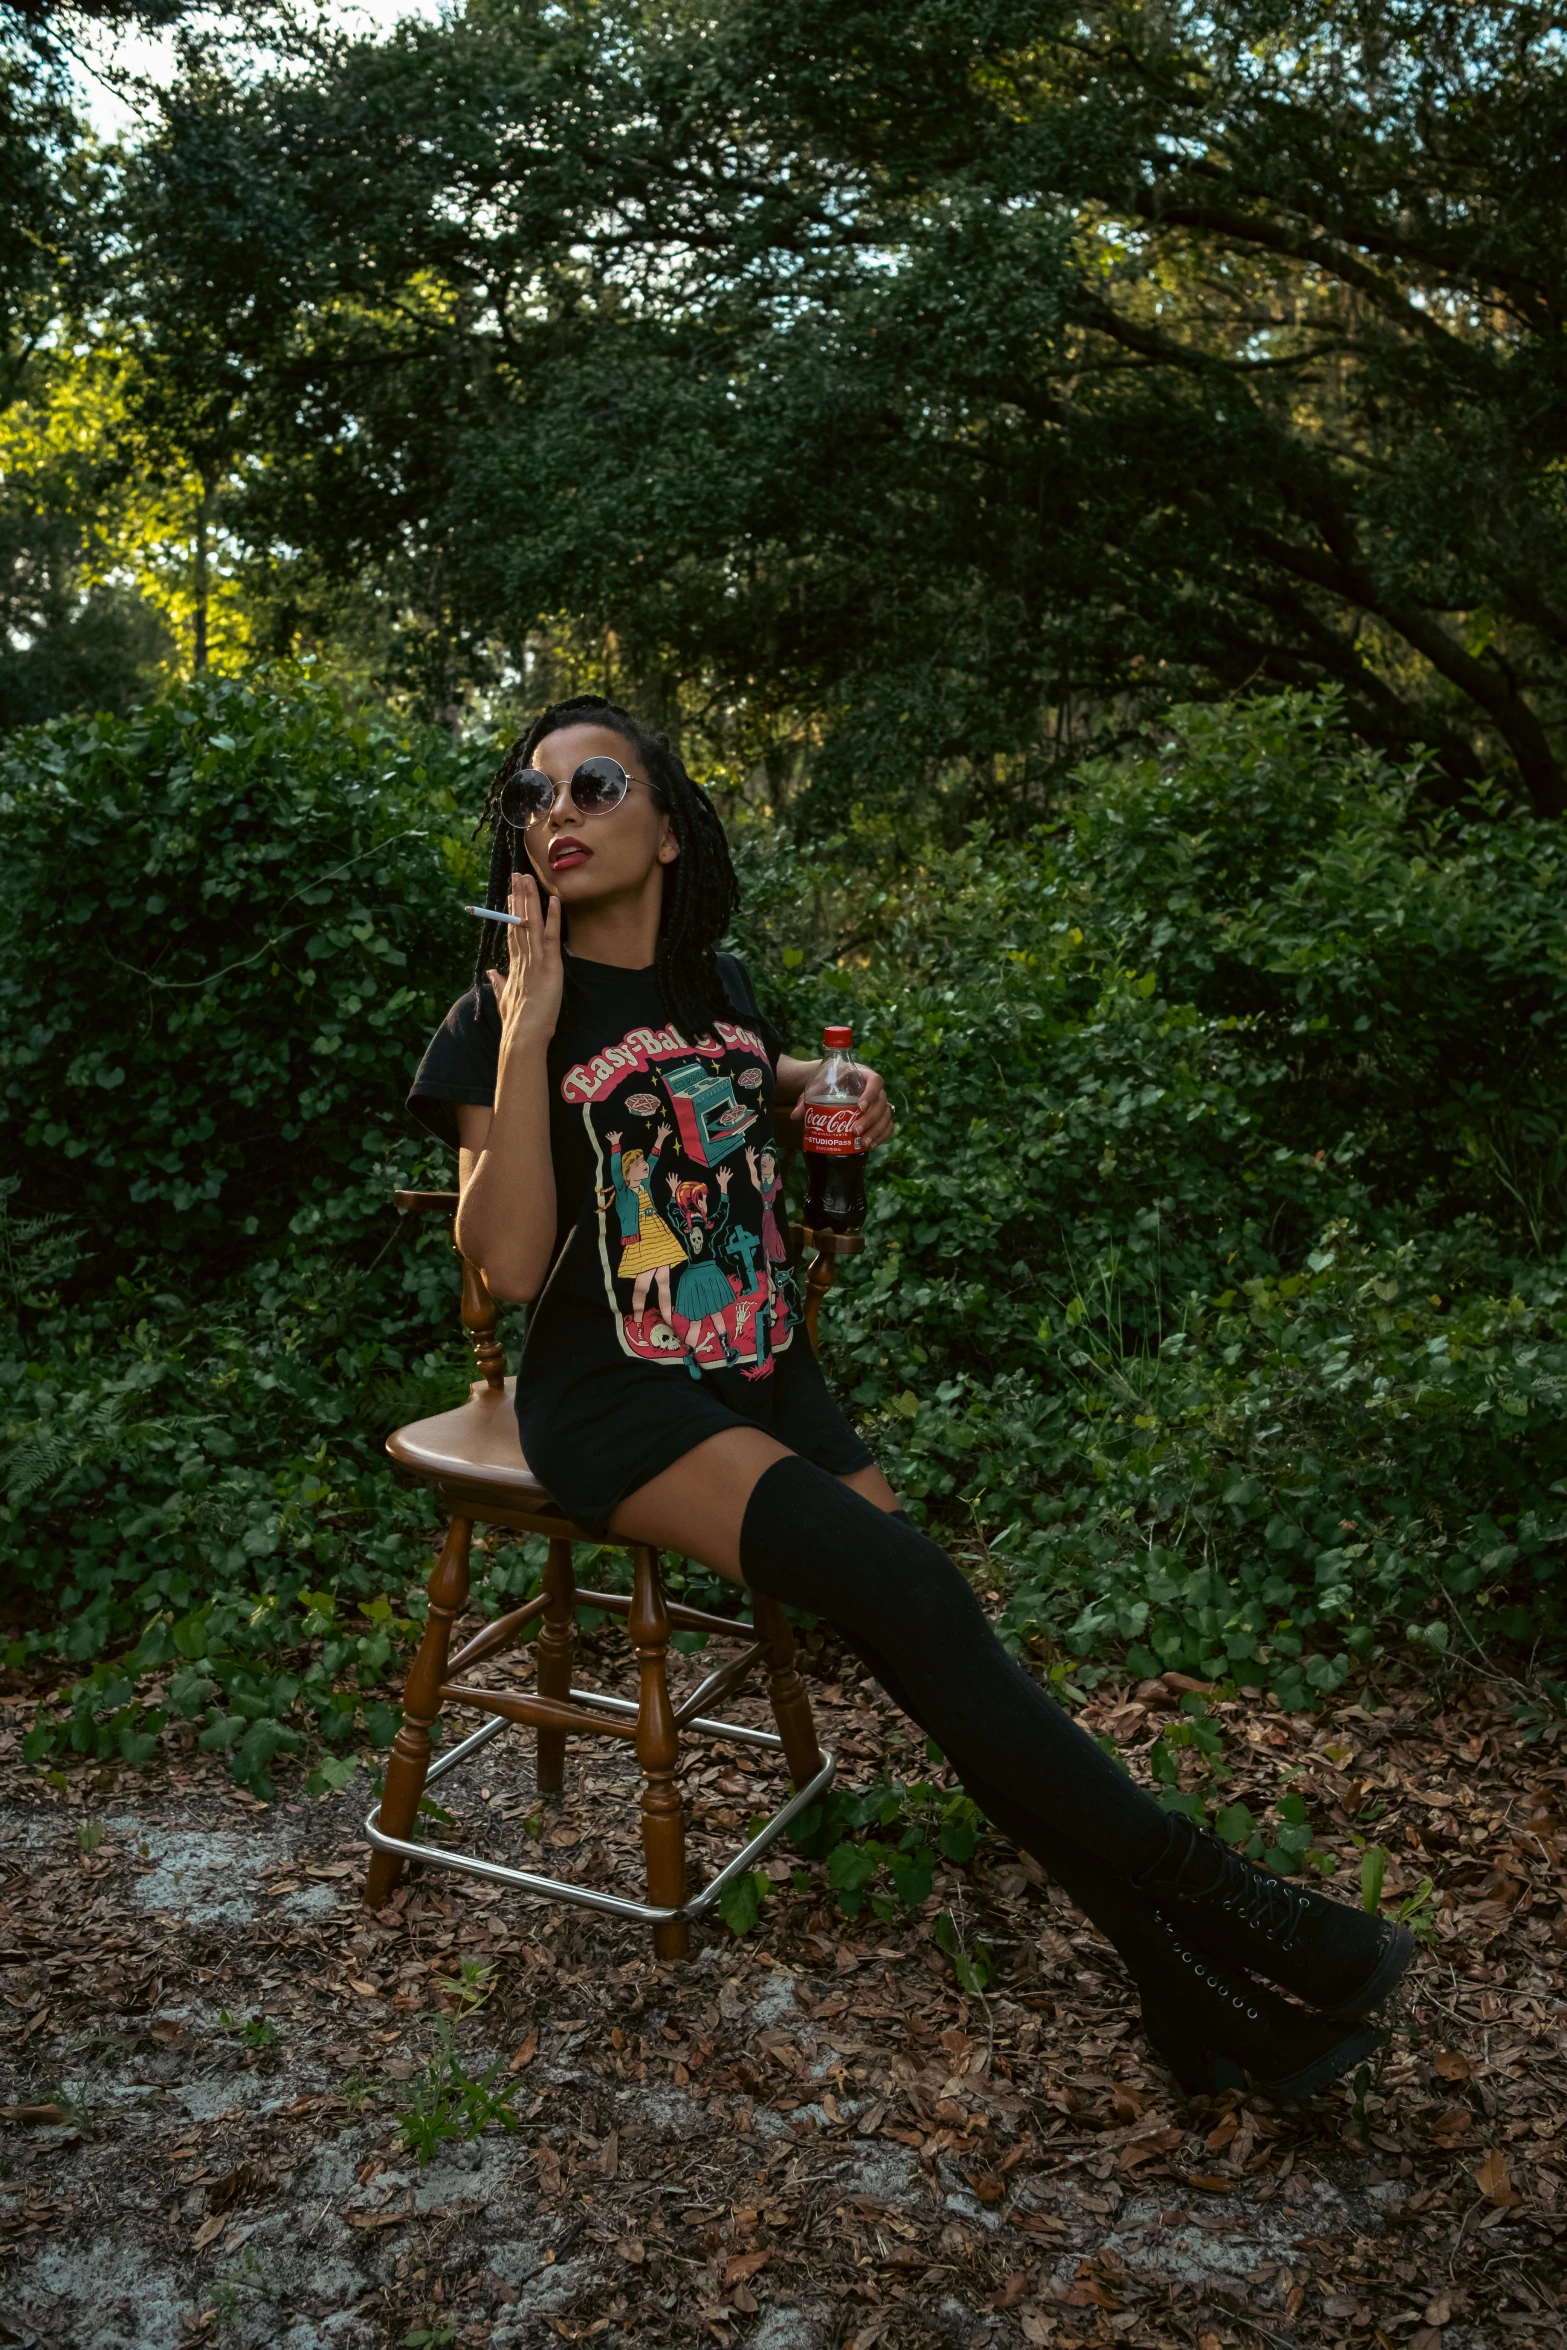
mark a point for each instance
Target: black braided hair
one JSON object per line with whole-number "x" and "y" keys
{"x": 700, "y": 889}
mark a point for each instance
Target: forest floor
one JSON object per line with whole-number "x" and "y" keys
{"x": 808, "y": 2139}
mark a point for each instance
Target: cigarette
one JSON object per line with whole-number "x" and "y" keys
{"x": 494, "y": 914}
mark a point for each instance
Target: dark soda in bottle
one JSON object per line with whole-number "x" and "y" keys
{"x": 834, "y": 1155}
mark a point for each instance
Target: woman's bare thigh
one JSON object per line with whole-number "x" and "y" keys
{"x": 696, "y": 1507}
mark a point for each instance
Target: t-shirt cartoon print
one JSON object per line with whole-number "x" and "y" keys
{"x": 683, "y": 1153}
{"x": 666, "y": 1170}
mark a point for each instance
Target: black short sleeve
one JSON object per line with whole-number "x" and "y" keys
{"x": 459, "y": 1064}
{"x": 742, "y": 995}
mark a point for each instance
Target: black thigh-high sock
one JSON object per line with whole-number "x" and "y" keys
{"x": 811, "y": 1541}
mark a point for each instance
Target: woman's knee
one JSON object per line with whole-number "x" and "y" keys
{"x": 872, "y": 1486}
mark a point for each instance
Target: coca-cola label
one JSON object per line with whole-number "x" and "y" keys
{"x": 832, "y": 1129}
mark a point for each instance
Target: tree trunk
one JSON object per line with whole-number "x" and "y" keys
{"x": 203, "y": 580}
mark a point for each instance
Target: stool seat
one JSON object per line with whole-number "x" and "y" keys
{"x": 474, "y": 1453}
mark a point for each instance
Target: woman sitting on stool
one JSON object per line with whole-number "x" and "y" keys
{"x": 602, "y": 1078}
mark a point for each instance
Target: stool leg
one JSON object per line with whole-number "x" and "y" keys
{"x": 791, "y": 1706}
{"x": 409, "y": 1759}
{"x": 817, "y": 1283}
{"x": 663, "y": 1816}
{"x": 557, "y": 1649}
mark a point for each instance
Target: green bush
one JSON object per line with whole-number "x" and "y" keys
{"x": 226, "y": 927}
{"x": 1214, "y": 1285}
{"x": 1214, "y": 1278}
{"x": 230, "y": 925}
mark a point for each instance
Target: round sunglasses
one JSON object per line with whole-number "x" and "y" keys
{"x": 597, "y": 786}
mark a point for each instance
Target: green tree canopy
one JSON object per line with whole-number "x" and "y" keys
{"x": 897, "y": 395}
{"x": 953, "y": 384}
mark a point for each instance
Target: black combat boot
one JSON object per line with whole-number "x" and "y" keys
{"x": 1338, "y": 1959}
{"x": 1218, "y": 2029}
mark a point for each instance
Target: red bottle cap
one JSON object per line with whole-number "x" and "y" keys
{"x": 837, "y": 1039}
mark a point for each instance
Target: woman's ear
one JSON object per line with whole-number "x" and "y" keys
{"x": 668, "y": 846}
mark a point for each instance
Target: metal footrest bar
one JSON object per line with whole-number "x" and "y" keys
{"x": 464, "y": 1747}
{"x": 586, "y": 1896}
{"x": 735, "y": 1730}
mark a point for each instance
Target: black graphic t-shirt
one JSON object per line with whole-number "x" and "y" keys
{"x": 669, "y": 1245}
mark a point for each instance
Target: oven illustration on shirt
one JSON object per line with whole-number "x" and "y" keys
{"x": 688, "y": 1237}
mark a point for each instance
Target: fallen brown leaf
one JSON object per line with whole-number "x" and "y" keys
{"x": 235, "y": 2183}
{"x": 1085, "y": 2294}
{"x": 1148, "y": 2149}
{"x": 1494, "y": 2180}
{"x": 45, "y": 2114}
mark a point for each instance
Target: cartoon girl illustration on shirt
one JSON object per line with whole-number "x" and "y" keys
{"x": 769, "y": 1183}
{"x": 703, "y": 1292}
{"x": 647, "y": 1246}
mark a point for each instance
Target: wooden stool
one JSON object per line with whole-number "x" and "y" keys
{"x": 472, "y": 1460}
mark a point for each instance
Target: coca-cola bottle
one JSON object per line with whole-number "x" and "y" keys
{"x": 834, "y": 1153}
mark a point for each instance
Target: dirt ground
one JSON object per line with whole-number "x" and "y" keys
{"x": 809, "y": 2139}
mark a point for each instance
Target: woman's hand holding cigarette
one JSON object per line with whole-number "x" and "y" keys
{"x": 529, "y": 990}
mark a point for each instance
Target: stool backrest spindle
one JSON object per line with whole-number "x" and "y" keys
{"x": 480, "y": 1313}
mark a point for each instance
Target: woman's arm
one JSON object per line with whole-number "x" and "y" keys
{"x": 792, "y": 1079}
{"x": 506, "y": 1221}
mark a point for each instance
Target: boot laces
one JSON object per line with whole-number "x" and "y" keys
{"x": 1205, "y": 1972}
{"x": 1256, "y": 1898}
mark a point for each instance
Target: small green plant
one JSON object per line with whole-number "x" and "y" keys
{"x": 1286, "y": 1844}
{"x": 975, "y": 1968}
{"x": 356, "y": 2092}
{"x": 1417, "y": 1911}
{"x": 740, "y": 1903}
{"x": 429, "y": 2337}
{"x": 331, "y": 1773}
{"x": 896, "y": 1869}
{"x": 90, "y": 1835}
{"x": 474, "y": 1982}
{"x": 447, "y": 2102}
{"x": 76, "y": 2105}
{"x": 248, "y": 2277}
{"x": 1195, "y": 1733}
{"x": 251, "y": 2031}
{"x": 1546, "y": 1710}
